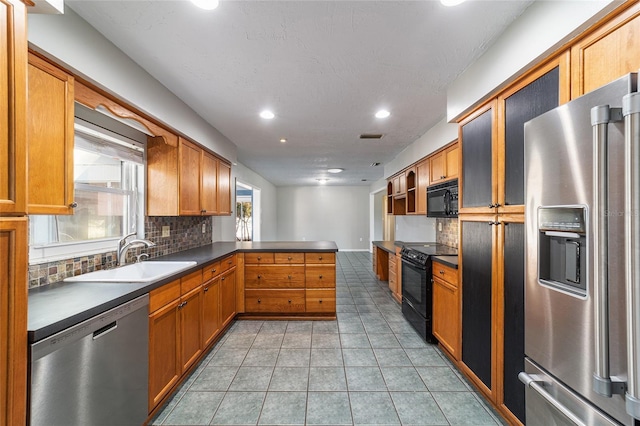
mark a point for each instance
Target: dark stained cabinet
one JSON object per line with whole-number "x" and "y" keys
{"x": 513, "y": 351}
{"x": 476, "y": 241}
{"x": 477, "y": 160}
{"x": 537, "y": 97}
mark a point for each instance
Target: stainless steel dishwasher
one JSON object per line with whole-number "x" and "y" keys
{"x": 93, "y": 373}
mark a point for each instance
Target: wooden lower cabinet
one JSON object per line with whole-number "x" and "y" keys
{"x": 446, "y": 308}
{"x": 290, "y": 283}
{"x": 190, "y": 310}
{"x": 275, "y": 301}
{"x": 395, "y": 275}
{"x": 211, "y": 319}
{"x": 227, "y": 296}
{"x": 165, "y": 368}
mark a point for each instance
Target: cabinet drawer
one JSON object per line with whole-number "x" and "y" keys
{"x": 191, "y": 281}
{"x": 289, "y": 257}
{"x": 321, "y": 301}
{"x": 320, "y": 257}
{"x": 321, "y": 276}
{"x": 274, "y": 276}
{"x": 227, "y": 263}
{"x": 276, "y": 301}
{"x": 258, "y": 258}
{"x": 210, "y": 271}
{"x": 445, "y": 273}
{"x": 162, "y": 295}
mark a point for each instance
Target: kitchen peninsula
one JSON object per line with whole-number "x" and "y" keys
{"x": 190, "y": 310}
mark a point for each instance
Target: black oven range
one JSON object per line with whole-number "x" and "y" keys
{"x": 417, "y": 290}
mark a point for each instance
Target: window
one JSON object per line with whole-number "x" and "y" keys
{"x": 109, "y": 183}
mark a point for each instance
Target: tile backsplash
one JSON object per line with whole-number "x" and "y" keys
{"x": 449, "y": 234}
{"x": 186, "y": 233}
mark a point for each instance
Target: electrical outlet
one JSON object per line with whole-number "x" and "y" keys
{"x": 166, "y": 231}
{"x": 204, "y": 228}
{"x": 440, "y": 227}
{"x": 360, "y": 238}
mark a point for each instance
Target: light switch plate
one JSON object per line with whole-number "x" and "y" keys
{"x": 166, "y": 231}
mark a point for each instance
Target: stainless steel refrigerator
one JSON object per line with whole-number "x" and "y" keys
{"x": 582, "y": 273}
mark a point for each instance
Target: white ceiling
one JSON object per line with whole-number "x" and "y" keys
{"x": 323, "y": 67}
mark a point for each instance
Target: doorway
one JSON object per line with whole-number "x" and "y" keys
{"x": 247, "y": 212}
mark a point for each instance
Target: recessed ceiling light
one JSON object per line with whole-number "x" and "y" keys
{"x": 383, "y": 113}
{"x": 336, "y": 170}
{"x": 322, "y": 181}
{"x": 283, "y": 140}
{"x": 206, "y": 4}
{"x": 451, "y": 2}
{"x": 267, "y": 115}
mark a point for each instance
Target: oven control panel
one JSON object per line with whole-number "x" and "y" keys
{"x": 414, "y": 256}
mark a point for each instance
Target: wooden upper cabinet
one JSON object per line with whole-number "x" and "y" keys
{"x": 444, "y": 164}
{"x": 13, "y": 107}
{"x": 399, "y": 185}
{"x": 190, "y": 175}
{"x": 209, "y": 184}
{"x": 422, "y": 177}
{"x": 607, "y": 53}
{"x": 412, "y": 186}
{"x": 50, "y": 139}
{"x": 224, "y": 188}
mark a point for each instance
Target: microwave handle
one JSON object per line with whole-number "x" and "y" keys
{"x": 447, "y": 202}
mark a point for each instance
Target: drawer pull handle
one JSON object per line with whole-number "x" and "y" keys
{"x": 442, "y": 272}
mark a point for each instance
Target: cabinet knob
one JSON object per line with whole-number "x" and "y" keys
{"x": 320, "y": 276}
{"x": 229, "y": 262}
{"x": 223, "y": 278}
{"x": 289, "y": 276}
{"x": 73, "y": 205}
{"x": 319, "y": 257}
{"x": 320, "y": 301}
{"x": 442, "y": 177}
{"x": 259, "y": 276}
{"x": 259, "y": 257}
{"x": 206, "y": 289}
{"x": 288, "y": 257}
{"x": 289, "y": 300}
{"x": 442, "y": 272}
{"x": 259, "y": 300}
{"x": 203, "y": 211}
{"x": 213, "y": 271}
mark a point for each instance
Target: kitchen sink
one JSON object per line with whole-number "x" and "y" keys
{"x": 136, "y": 272}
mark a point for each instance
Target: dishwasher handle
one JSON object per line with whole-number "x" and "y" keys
{"x": 97, "y": 326}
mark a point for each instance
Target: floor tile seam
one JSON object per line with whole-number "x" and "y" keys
{"x": 445, "y": 414}
{"x": 393, "y": 401}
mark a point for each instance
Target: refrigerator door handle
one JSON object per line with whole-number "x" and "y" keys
{"x": 535, "y": 383}
{"x": 631, "y": 113}
{"x": 601, "y": 116}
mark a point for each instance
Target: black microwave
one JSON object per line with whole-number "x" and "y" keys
{"x": 442, "y": 199}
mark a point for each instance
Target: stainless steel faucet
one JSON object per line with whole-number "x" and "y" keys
{"x": 124, "y": 246}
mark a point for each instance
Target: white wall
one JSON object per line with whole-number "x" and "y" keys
{"x": 72, "y": 42}
{"x": 539, "y": 31}
{"x": 335, "y": 213}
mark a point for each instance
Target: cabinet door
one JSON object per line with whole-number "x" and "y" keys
{"x": 452, "y": 158}
{"x": 224, "y": 188}
{"x": 476, "y": 262}
{"x": 190, "y": 172}
{"x": 190, "y": 327}
{"x": 50, "y": 139}
{"x": 536, "y": 97}
{"x": 210, "y": 311}
{"x": 209, "y": 193}
{"x": 227, "y": 297}
{"x": 437, "y": 167}
{"x": 512, "y": 265}
{"x": 411, "y": 190}
{"x": 13, "y": 317}
{"x": 422, "y": 176}
{"x": 165, "y": 367}
{"x": 477, "y": 139}
{"x": 606, "y": 54}
{"x": 13, "y": 107}
{"x": 446, "y": 315}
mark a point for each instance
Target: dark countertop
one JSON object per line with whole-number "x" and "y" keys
{"x": 54, "y": 307}
{"x": 447, "y": 260}
{"x": 389, "y": 246}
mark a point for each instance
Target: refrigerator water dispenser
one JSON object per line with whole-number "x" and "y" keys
{"x": 562, "y": 249}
